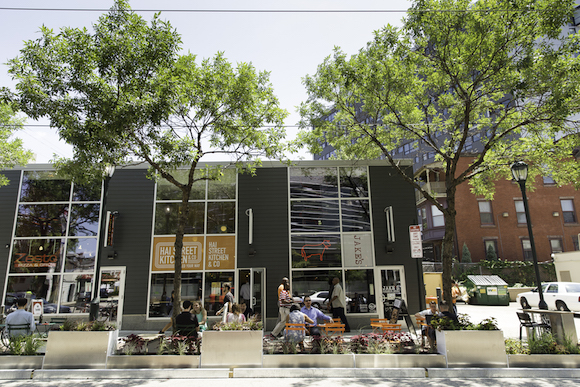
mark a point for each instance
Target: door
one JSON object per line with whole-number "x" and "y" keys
{"x": 253, "y": 283}
{"x": 391, "y": 280}
{"x": 112, "y": 294}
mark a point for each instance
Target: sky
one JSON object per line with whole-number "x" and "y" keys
{"x": 290, "y": 45}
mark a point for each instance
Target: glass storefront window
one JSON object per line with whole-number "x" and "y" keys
{"x": 76, "y": 292}
{"x": 360, "y": 289}
{"x": 225, "y": 188}
{"x": 314, "y": 216}
{"x": 354, "y": 182}
{"x": 84, "y": 220}
{"x": 313, "y": 183}
{"x": 45, "y": 287}
{"x": 166, "y": 218}
{"x": 320, "y": 250}
{"x": 356, "y": 216}
{"x": 215, "y": 291}
{"x": 168, "y": 191}
{"x": 37, "y": 256}
{"x": 41, "y": 220}
{"x": 314, "y": 283}
{"x": 44, "y": 186}
{"x": 80, "y": 255}
{"x": 161, "y": 292}
{"x": 221, "y": 217}
{"x": 90, "y": 193}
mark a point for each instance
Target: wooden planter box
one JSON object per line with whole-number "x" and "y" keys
{"x": 72, "y": 349}
{"x": 544, "y": 361}
{"x": 308, "y": 361}
{"x": 152, "y": 361}
{"x": 399, "y": 361}
{"x": 472, "y": 348}
{"x": 226, "y": 349}
{"x": 21, "y": 362}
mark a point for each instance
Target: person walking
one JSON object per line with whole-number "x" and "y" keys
{"x": 337, "y": 303}
{"x": 285, "y": 302}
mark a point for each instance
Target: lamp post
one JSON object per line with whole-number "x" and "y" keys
{"x": 520, "y": 174}
{"x": 95, "y": 302}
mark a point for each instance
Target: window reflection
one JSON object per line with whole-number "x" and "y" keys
{"x": 359, "y": 289}
{"x": 315, "y": 216}
{"x": 168, "y": 191}
{"x": 316, "y": 250}
{"x": 355, "y": 215}
{"x": 41, "y": 220}
{"x": 313, "y": 183}
{"x": 225, "y": 188}
{"x": 44, "y": 186}
{"x": 161, "y": 296}
{"x": 80, "y": 254}
{"x": 166, "y": 215}
{"x": 354, "y": 182}
{"x": 43, "y": 287}
{"x": 76, "y": 292}
{"x": 83, "y": 193}
{"x": 37, "y": 256}
{"x": 84, "y": 220}
{"x": 215, "y": 291}
{"x": 221, "y": 217}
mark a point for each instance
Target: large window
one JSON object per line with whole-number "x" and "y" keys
{"x": 330, "y": 225}
{"x": 556, "y": 245}
{"x": 437, "y": 217}
{"x": 54, "y": 245}
{"x": 208, "y": 261}
{"x": 520, "y": 211}
{"x": 527, "y": 250}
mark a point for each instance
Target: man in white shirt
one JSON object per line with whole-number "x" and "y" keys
{"x": 20, "y": 317}
{"x": 245, "y": 296}
{"x": 338, "y": 303}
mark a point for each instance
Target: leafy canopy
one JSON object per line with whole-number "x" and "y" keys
{"x": 12, "y": 151}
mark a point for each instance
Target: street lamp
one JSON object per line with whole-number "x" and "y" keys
{"x": 95, "y": 302}
{"x": 520, "y": 174}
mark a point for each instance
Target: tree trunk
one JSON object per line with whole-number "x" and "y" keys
{"x": 181, "y": 222}
{"x": 448, "y": 243}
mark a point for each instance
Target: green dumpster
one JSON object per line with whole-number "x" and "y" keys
{"x": 487, "y": 290}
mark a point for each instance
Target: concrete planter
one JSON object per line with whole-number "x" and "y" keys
{"x": 152, "y": 361}
{"x": 21, "y": 362}
{"x": 472, "y": 348}
{"x": 309, "y": 361}
{"x": 226, "y": 349}
{"x": 72, "y": 349}
{"x": 400, "y": 361}
{"x": 544, "y": 361}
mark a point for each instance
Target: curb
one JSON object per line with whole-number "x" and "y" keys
{"x": 167, "y": 373}
{"x": 366, "y": 373}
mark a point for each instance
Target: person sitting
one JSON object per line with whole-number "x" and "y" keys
{"x": 296, "y": 317}
{"x": 186, "y": 323}
{"x": 21, "y": 317}
{"x": 314, "y": 314}
{"x": 201, "y": 315}
{"x": 428, "y": 329}
{"x": 444, "y": 309}
{"x": 236, "y": 315}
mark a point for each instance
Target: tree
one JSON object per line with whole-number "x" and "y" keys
{"x": 122, "y": 93}
{"x": 11, "y": 150}
{"x": 501, "y": 70}
{"x": 465, "y": 254}
{"x": 490, "y": 254}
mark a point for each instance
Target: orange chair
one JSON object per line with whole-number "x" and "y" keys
{"x": 377, "y": 323}
{"x": 332, "y": 329}
{"x": 296, "y": 327}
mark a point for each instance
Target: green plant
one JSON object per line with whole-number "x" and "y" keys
{"x": 515, "y": 347}
{"x": 133, "y": 344}
{"x": 68, "y": 325}
{"x": 446, "y": 324}
{"x": 465, "y": 254}
{"x": 546, "y": 343}
{"x": 24, "y": 345}
{"x": 253, "y": 324}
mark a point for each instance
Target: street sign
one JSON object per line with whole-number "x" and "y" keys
{"x": 416, "y": 242}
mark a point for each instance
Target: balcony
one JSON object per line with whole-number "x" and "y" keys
{"x": 436, "y": 188}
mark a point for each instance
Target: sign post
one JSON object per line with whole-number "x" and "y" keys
{"x": 416, "y": 242}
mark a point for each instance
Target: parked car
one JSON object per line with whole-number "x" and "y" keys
{"x": 320, "y": 300}
{"x": 563, "y": 296}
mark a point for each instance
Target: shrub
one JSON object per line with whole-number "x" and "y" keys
{"x": 24, "y": 345}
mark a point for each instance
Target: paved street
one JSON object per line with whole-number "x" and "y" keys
{"x": 290, "y": 382}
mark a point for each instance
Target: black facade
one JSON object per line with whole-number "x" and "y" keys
{"x": 279, "y": 224}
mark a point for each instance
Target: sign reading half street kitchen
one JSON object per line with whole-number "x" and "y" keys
{"x": 218, "y": 252}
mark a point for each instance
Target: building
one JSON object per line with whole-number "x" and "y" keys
{"x": 310, "y": 222}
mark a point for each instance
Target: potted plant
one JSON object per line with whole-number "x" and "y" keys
{"x": 80, "y": 344}
{"x": 22, "y": 353}
{"x": 233, "y": 344}
{"x": 470, "y": 345}
{"x": 543, "y": 352}
{"x": 160, "y": 352}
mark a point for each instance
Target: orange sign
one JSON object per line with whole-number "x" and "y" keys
{"x": 220, "y": 252}
{"x": 164, "y": 253}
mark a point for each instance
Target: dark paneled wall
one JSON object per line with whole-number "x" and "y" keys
{"x": 389, "y": 189}
{"x": 267, "y": 194}
{"x": 131, "y": 193}
{"x": 8, "y": 198}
